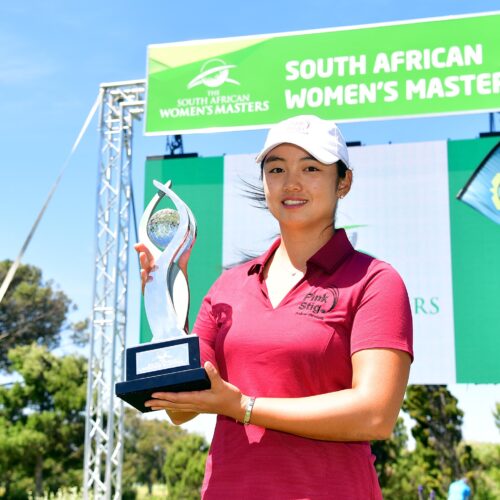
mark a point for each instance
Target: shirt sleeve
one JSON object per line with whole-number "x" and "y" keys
{"x": 383, "y": 316}
{"x": 205, "y": 327}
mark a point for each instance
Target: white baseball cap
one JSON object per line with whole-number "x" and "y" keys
{"x": 320, "y": 138}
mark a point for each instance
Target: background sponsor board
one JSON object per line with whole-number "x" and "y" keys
{"x": 402, "y": 209}
{"x": 475, "y": 245}
{"x": 427, "y": 67}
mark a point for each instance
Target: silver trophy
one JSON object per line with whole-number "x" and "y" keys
{"x": 171, "y": 361}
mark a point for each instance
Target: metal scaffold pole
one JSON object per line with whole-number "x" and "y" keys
{"x": 122, "y": 104}
{"x": 492, "y": 121}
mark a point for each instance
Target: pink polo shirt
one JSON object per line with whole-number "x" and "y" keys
{"x": 347, "y": 301}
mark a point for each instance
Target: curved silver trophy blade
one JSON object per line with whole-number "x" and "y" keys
{"x": 177, "y": 277}
{"x": 166, "y": 297}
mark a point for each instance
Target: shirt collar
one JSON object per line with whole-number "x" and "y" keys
{"x": 333, "y": 252}
{"x": 328, "y": 257}
{"x": 257, "y": 264}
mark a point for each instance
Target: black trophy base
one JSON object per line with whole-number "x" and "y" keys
{"x": 136, "y": 392}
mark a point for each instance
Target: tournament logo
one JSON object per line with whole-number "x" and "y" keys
{"x": 214, "y": 73}
{"x": 209, "y": 97}
{"x": 319, "y": 302}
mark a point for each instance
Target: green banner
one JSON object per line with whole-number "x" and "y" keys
{"x": 427, "y": 67}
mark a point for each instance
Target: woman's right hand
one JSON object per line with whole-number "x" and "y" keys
{"x": 147, "y": 263}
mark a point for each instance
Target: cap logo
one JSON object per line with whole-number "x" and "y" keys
{"x": 302, "y": 126}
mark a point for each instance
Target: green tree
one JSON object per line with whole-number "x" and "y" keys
{"x": 31, "y": 311}
{"x": 42, "y": 421}
{"x": 485, "y": 479}
{"x": 145, "y": 444}
{"x": 387, "y": 453}
{"x": 397, "y": 468}
{"x": 437, "y": 432}
{"x": 185, "y": 466}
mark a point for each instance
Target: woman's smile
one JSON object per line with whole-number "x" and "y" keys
{"x": 293, "y": 202}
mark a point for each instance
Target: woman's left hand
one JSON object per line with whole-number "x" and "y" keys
{"x": 222, "y": 398}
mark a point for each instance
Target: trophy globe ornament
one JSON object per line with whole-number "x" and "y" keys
{"x": 171, "y": 361}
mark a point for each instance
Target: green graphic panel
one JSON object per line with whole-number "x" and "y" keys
{"x": 475, "y": 248}
{"x": 435, "y": 66}
{"x": 199, "y": 182}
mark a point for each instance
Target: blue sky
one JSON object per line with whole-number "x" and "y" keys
{"x": 54, "y": 55}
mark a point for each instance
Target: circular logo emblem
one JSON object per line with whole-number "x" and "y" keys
{"x": 213, "y": 74}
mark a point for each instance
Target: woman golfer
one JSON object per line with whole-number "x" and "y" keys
{"x": 308, "y": 347}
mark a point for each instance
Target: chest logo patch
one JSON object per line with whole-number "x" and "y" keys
{"x": 319, "y": 301}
